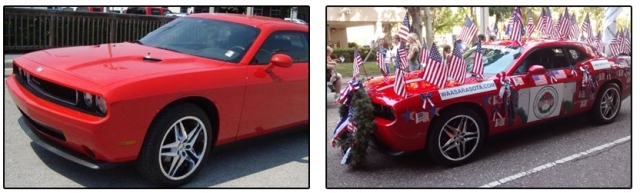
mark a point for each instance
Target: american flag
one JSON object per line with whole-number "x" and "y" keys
{"x": 380, "y": 60}
{"x": 540, "y": 79}
{"x": 530, "y": 26}
{"x": 543, "y": 21}
{"x": 559, "y": 74}
{"x": 565, "y": 24}
{"x": 424, "y": 55}
{"x": 405, "y": 29}
{"x": 586, "y": 27}
{"x": 357, "y": 62}
{"x": 478, "y": 67}
{"x": 616, "y": 44}
{"x": 626, "y": 41}
{"x": 469, "y": 30}
{"x": 552, "y": 28}
{"x": 516, "y": 22}
{"x": 457, "y": 66}
{"x": 402, "y": 57}
{"x": 574, "y": 34}
{"x": 434, "y": 70}
{"x": 399, "y": 84}
{"x": 495, "y": 28}
{"x": 597, "y": 42}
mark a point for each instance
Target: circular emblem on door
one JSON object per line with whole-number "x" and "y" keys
{"x": 39, "y": 69}
{"x": 545, "y": 102}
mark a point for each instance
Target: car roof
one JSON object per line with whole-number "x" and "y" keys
{"x": 251, "y": 20}
{"x": 530, "y": 44}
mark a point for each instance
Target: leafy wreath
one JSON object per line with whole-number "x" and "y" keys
{"x": 362, "y": 118}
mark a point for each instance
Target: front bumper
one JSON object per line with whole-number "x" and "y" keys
{"x": 62, "y": 130}
{"x": 399, "y": 137}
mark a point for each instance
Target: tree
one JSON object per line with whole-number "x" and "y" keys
{"x": 595, "y": 15}
{"x": 416, "y": 20}
{"x": 443, "y": 20}
{"x": 501, "y": 13}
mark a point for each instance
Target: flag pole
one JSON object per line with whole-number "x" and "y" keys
{"x": 375, "y": 44}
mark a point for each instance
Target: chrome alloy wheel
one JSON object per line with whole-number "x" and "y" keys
{"x": 183, "y": 147}
{"x": 459, "y": 138}
{"x": 610, "y": 103}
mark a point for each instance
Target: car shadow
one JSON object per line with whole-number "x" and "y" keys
{"x": 225, "y": 163}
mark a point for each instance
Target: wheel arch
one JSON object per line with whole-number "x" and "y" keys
{"x": 206, "y": 105}
{"x": 466, "y": 104}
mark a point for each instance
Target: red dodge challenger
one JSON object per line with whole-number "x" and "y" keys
{"x": 524, "y": 85}
{"x": 167, "y": 99}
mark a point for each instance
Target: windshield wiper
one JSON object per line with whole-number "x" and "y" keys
{"x": 138, "y": 42}
{"x": 173, "y": 50}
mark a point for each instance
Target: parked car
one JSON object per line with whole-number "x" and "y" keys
{"x": 147, "y": 10}
{"x": 295, "y": 20}
{"x": 166, "y": 100}
{"x": 543, "y": 80}
{"x": 90, "y": 9}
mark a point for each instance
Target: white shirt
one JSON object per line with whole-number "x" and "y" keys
{"x": 392, "y": 54}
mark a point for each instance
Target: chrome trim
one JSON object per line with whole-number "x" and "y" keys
{"x": 36, "y": 87}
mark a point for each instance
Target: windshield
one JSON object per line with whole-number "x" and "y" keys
{"x": 495, "y": 58}
{"x": 206, "y": 38}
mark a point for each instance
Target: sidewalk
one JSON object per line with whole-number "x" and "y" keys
{"x": 8, "y": 61}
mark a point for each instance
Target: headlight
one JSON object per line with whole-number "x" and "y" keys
{"x": 88, "y": 99}
{"x": 102, "y": 104}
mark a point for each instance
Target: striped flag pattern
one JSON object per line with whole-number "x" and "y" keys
{"x": 574, "y": 33}
{"x": 478, "y": 66}
{"x": 357, "y": 62}
{"x": 543, "y": 21}
{"x": 597, "y": 41}
{"x": 424, "y": 55}
{"x": 488, "y": 32}
{"x": 469, "y": 30}
{"x": 530, "y": 26}
{"x": 586, "y": 27}
{"x": 565, "y": 24}
{"x": 405, "y": 29}
{"x": 616, "y": 44}
{"x": 399, "y": 84}
{"x": 402, "y": 57}
{"x": 434, "y": 70}
{"x": 626, "y": 41}
{"x": 457, "y": 66}
{"x": 516, "y": 23}
{"x": 380, "y": 60}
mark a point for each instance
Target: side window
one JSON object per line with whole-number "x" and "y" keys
{"x": 155, "y": 12}
{"x": 545, "y": 57}
{"x": 292, "y": 43}
{"x": 577, "y": 55}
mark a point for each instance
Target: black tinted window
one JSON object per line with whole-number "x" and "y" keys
{"x": 294, "y": 44}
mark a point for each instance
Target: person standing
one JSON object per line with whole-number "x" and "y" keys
{"x": 385, "y": 52}
{"x": 414, "y": 51}
{"x": 446, "y": 52}
{"x": 393, "y": 54}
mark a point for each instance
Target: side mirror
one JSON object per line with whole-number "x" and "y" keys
{"x": 535, "y": 70}
{"x": 280, "y": 60}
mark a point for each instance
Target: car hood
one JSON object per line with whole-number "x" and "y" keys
{"x": 110, "y": 63}
{"x": 382, "y": 91}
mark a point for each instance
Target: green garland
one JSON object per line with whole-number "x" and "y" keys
{"x": 363, "y": 118}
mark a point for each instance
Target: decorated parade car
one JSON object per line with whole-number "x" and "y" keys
{"x": 522, "y": 84}
{"x": 166, "y": 100}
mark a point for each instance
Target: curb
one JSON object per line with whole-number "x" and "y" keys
{"x": 7, "y": 72}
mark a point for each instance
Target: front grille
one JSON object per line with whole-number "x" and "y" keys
{"x": 46, "y": 89}
{"x": 384, "y": 112}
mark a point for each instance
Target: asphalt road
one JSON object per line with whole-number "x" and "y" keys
{"x": 503, "y": 156}
{"x": 278, "y": 160}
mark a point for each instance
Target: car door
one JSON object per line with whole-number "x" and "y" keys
{"x": 546, "y": 95}
{"x": 279, "y": 98}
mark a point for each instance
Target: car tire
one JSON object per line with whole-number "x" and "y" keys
{"x": 176, "y": 132}
{"x": 447, "y": 137}
{"x": 608, "y": 98}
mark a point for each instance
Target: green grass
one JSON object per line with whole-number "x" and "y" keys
{"x": 346, "y": 69}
